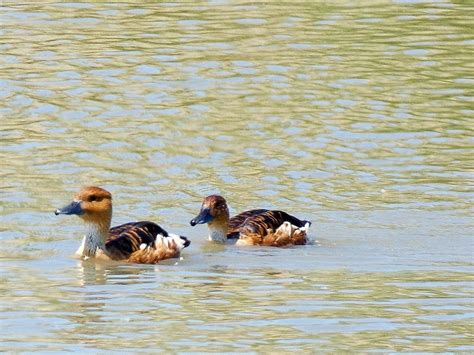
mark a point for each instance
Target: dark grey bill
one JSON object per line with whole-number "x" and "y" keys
{"x": 73, "y": 208}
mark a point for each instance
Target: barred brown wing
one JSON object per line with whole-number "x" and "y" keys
{"x": 269, "y": 220}
{"x": 237, "y": 221}
{"x": 273, "y": 228}
{"x": 127, "y": 238}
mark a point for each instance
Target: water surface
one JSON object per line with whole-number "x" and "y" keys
{"x": 357, "y": 117}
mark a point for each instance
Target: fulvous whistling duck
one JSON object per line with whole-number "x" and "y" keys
{"x": 136, "y": 242}
{"x": 254, "y": 227}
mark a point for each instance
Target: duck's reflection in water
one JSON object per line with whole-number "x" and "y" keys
{"x": 95, "y": 272}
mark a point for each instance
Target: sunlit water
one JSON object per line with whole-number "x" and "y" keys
{"x": 357, "y": 118}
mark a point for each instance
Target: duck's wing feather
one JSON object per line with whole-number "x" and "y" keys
{"x": 237, "y": 221}
{"x": 146, "y": 228}
{"x": 262, "y": 227}
{"x": 270, "y": 220}
{"x": 143, "y": 242}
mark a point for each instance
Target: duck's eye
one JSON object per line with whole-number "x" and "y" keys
{"x": 92, "y": 198}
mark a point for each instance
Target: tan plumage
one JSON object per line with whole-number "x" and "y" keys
{"x": 254, "y": 227}
{"x": 136, "y": 242}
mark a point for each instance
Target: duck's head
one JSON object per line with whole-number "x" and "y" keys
{"x": 213, "y": 211}
{"x": 92, "y": 204}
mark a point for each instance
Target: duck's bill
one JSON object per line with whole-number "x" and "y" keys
{"x": 73, "y": 208}
{"x": 203, "y": 217}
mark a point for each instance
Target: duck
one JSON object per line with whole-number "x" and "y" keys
{"x": 252, "y": 227}
{"x": 141, "y": 242}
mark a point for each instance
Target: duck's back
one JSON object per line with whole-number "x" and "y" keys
{"x": 143, "y": 242}
{"x": 267, "y": 228}
{"x": 236, "y": 222}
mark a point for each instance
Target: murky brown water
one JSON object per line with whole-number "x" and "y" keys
{"x": 358, "y": 118}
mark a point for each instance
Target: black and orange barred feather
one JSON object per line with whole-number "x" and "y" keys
{"x": 273, "y": 228}
{"x": 128, "y": 238}
{"x": 236, "y": 222}
{"x": 268, "y": 221}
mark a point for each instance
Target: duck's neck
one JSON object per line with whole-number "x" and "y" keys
{"x": 218, "y": 231}
{"x": 95, "y": 238}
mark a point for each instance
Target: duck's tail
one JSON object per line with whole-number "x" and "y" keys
{"x": 181, "y": 241}
{"x": 306, "y": 225}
